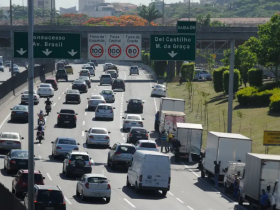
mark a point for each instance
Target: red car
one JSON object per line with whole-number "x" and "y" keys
{"x": 118, "y": 84}
{"x": 20, "y": 182}
{"x": 53, "y": 82}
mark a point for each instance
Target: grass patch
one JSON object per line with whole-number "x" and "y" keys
{"x": 253, "y": 120}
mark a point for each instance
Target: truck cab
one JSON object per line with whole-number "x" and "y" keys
{"x": 234, "y": 168}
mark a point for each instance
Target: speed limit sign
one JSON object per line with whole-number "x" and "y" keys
{"x": 96, "y": 50}
{"x": 114, "y": 51}
{"x": 132, "y": 51}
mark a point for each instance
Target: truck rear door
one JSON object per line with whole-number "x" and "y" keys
{"x": 162, "y": 172}
{"x": 196, "y": 141}
{"x": 148, "y": 173}
{"x": 225, "y": 152}
{"x": 269, "y": 174}
{"x": 242, "y": 147}
{"x": 184, "y": 136}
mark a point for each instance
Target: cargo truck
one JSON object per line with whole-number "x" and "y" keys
{"x": 224, "y": 147}
{"x": 234, "y": 168}
{"x": 168, "y": 120}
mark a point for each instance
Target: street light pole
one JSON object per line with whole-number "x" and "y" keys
{"x": 30, "y": 106}
{"x": 51, "y": 11}
{"x": 189, "y": 10}
{"x": 12, "y": 40}
{"x": 163, "y": 12}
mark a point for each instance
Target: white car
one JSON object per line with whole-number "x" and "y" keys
{"x": 159, "y": 90}
{"x": 91, "y": 70}
{"x": 45, "y": 90}
{"x": 25, "y": 97}
{"x": 9, "y": 140}
{"x": 132, "y": 120}
{"x": 104, "y": 111}
{"x": 133, "y": 70}
{"x": 98, "y": 136}
{"x": 108, "y": 95}
{"x": 105, "y": 66}
{"x": 146, "y": 145}
{"x": 85, "y": 72}
{"x": 1, "y": 67}
{"x": 94, "y": 185}
{"x": 94, "y": 100}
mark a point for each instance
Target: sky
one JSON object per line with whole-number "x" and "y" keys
{"x": 72, "y": 3}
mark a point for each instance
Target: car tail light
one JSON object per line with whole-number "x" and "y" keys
{"x": 130, "y": 134}
{"x": 84, "y": 85}
{"x": 164, "y": 90}
{"x": 106, "y": 137}
{"x": 58, "y": 148}
{"x": 12, "y": 162}
{"x": 58, "y": 116}
{"x": 76, "y": 149}
{"x": 147, "y": 135}
{"x": 35, "y": 96}
{"x": 87, "y": 185}
{"x": 140, "y": 122}
{"x": 2, "y": 141}
{"x": 92, "y": 137}
{"x": 22, "y": 96}
{"x": 118, "y": 153}
{"x": 74, "y": 117}
{"x": 169, "y": 180}
{"x": 13, "y": 112}
{"x": 26, "y": 112}
{"x": 104, "y": 102}
{"x": 140, "y": 178}
{"x": 111, "y": 111}
{"x": 108, "y": 187}
{"x": 141, "y": 104}
{"x": 69, "y": 161}
{"x": 17, "y": 142}
{"x": 126, "y": 121}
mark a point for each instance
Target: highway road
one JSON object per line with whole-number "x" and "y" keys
{"x": 188, "y": 190}
{"x": 4, "y": 76}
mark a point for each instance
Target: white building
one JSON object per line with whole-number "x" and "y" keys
{"x": 84, "y": 4}
{"x": 99, "y": 10}
{"x": 44, "y": 4}
{"x": 71, "y": 10}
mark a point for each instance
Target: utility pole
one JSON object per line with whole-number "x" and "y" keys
{"x": 189, "y": 10}
{"x": 12, "y": 41}
{"x": 30, "y": 106}
{"x": 51, "y": 11}
{"x": 163, "y": 12}
{"x": 231, "y": 83}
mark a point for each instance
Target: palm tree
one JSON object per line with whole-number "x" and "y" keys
{"x": 149, "y": 13}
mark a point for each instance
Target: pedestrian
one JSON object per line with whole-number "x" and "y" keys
{"x": 176, "y": 147}
{"x": 264, "y": 201}
{"x": 201, "y": 156}
{"x": 157, "y": 121}
{"x": 169, "y": 140}
{"x": 235, "y": 186}
{"x": 217, "y": 173}
{"x": 163, "y": 140}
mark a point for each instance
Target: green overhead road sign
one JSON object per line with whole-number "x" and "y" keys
{"x": 186, "y": 27}
{"x": 48, "y": 45}
{"x": 172, "y": 47}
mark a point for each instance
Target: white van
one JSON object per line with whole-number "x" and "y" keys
{"x": 149, "y": 170}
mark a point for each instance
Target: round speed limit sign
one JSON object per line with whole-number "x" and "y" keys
{"x": 114, "y": 51}
{"x": 132, "y": 51}
{"x": 96, "y": 50}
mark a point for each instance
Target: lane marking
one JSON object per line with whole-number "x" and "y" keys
{"x": 54, "y": 104}
{"x": 83, "y": 122}
{"x": 83, "y": 133}
{"x": 190, "y": 208}
{"x": 170, "y": 193}
{"x": 5, "y": 120}
{"x": 123, "y": 138}
{"x": 129, "y": 203}
{"x": 49, "y": 176}
{"x": 59, "y": 98}
{"x": 123, "y": 135}
{"x": 39, "y": 145}
{"x": 179, "y": 200}
{"x": 67, "y": 88}
{"x": 85, "y": 113}
{"x": 40, "y": 158}
{"x": 67, "y": 200}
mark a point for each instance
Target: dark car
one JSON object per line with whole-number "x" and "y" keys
{"x": 60, "y": 65}
{"x": 61, "y": 74}
{"x": 47, "y": 197}
{"x": 53, "y": 82}
{"x": 118, "y": 84}
{"x": 86, "y": 79}
{"x": 134, "y": 106}
{"x": 95, "y": 62}
{"x": 73, "y": 96}
{"x": 136, "y": 134}
{"x": 113, "y": 67}
{"x": 19, "y": 112}
{"x": 91, "y": 64}
{"x": 66, "y": 117}
{"x": 15, "y": 160}
{"x": 20, "y": 182}
{"x": 80, "y": 85}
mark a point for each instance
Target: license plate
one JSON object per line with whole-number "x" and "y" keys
{"x": 44, "y": 90}
{"x": 20, "y": 112}
{"x": 103, "y": 116}
{"x": 133, "y": 123}
{"x": 66, "y": 121}
{"x": 22, "y": 163}
{"x": 79, "y": 85}
{"x": 96, "y": 194}
{"x": 49, "y": 208}
{"x": 9, "y": 143}
{"x": 139, "y": 136}
{"x": 98, "y": 137}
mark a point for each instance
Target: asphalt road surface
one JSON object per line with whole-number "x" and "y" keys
{"x": 4, "y": 76}
{"x": 188, "y": 190}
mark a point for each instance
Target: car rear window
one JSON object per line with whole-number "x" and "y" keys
{"x": 107, "y": 92}
{"x": 67, "y": 141}
{"x": 148, "y": 145}
{"x": 133, "y": 118}
{"x": 80, "y": 157}
{"x": 9, "y": 136}
{"x": 89, "y": 67}
{"x": 118, "y": 81}
{"x": 105, "y": 107}
{"x": 19, "y": 154}
{"x": 96, "y": 97}
{"x": 26, "y": 92}
{"x": 79, "y": 82}
{"x": 37, "y": 177}
{"x": 126, "y": 149}
{"x": 98, "y": 131}
{"x": 97, "y": 180}
{"x": 20, "y": 108}
{"x": 73, "y": 92}
{"x": 45, "y": 86}
{"x": 67, "y": 111}
{"x": 68, "y": 67}
{"x": 105, "y": 76}
{"x": 135, "y": 101}
{"x": 49, "y": 81}
{"x": 50, "y": 196}
{"x": 141, "y": 131}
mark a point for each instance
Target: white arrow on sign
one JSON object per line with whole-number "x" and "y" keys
{"x": 172, "y": 54}
{"x": 72, "y": 53}
{"x": 21, "y": 51}
{"x": 47, "y": 52}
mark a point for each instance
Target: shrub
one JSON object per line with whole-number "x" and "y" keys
{"x": 187, "y": 71}
{"x": 244, "y": 95}
{"x": 218, "y": 79}
{"x": 269, "y": 86}
{"x": 160, "y": 67}
{"x": 146, "y": 58}
{"x": 236, "y": 80}
{"x": 255, "y": 77}
{"x": 274, "y": 105}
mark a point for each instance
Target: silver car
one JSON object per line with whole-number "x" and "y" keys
{"x": 132, "y": 120}
{"x": 84, "y": 72}
{"x": 98, "y": 136}
{"x": 113, "y": 73}
{"x": 108, "y": 95}
{"x": 106, "y": 65}
{"x": 133, "y": 70}
{"x": 104, "y": 111}
{"x": 106, "y": 79}
{"x": 25, "y": 97}
{"x": 94, "y": 100}
{"x": 9, "y": 140}
{"x": 62, "y": 146}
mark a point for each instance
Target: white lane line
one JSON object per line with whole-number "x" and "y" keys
{"x": 190, "y": 170}
{"x": 39, "y": 145}
{"x": 179, "y": 200}
{"x": 123, "y": 138}
{"x": 122, "y": 134}
{"x": 83, "y": 122}
{"x": 94, "y": 89}
{"x": 40, "y": 158}
{"x": 83, "y": 133}
{"x": 67, "y": 200}
{"x": 170, "y": 193}
{"x": 67, "y": 88}
{"x": 129, "y": 203}
{"x": 5, "y": 120}
{"x": 85, "y": 113}
{"x": 59, "y": 98}
{"x": 155, "y": 104}
{"x": 49, "y": 176}
{"x": 54, "y": 104}
{"x": 190, "y": 208}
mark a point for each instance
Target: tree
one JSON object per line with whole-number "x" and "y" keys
{"x": 208, "y": 56}
{"x": 1, "y": 14}
{"x": 149, "y": 13}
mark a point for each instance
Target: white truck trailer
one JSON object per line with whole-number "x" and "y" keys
{"x": 168, "y": 120}
{"x": 224, "y": 147}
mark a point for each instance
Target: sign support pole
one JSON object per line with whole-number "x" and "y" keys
{"x": 12, "y": 41}
{"x": 30, "y": 106}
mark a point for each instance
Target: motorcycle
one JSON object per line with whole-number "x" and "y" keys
{"x": 41, "y": 121}
{"x": 40, "y": 136}
{"x": 48, "y": 109}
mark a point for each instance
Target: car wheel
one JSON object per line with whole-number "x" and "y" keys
{"x": 5, "y": 168}
{"x": 82, "y": 196}
{"x": 77, "y": 192}
{"x": 164, "y": 192}
{"x": 127, "y": 182}
{"x": 108, "y": 200}
{"x": 66, "y": 102}
{"x": 13, "y": 190}
{"x": 108, "y": 161}
{"x": 66, "y": 173}
{"x": 75, "y": 125}
{"x": 123, "y": 90}
{"x": 113, "y": 166}
{"x": 100, "y": 83}
{"x": 136, "y": 188}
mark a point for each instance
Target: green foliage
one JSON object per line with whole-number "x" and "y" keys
{"x": 146, "y": 58}
{"x": 274, "y": 105}
{"x": 269, "y": 86}
{"x": 236, "y": 80}
{"x": 149, "y": 13}
{"x": 218, "y": 79}
{"x": 255, "y": 77}
{"x": 160, "y": 67}
{"x": 187, "y": 71}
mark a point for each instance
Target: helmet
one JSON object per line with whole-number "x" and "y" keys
{"x": 41, "y": 111}
{"x": 48, "y": 98}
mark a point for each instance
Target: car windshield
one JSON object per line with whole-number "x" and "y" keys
{"x": 20, "y": 108}
{"x": 96, "y": 97}
{"x": 126, "y": 149}
{"x": 80, "y": 157}
{"x": 50, "y": 196}
{"x": 118, "y": 81}
{"x": 37, "y": 177}
{"x": 45, "y": 86}
{"x": 107, "y": 92}
{"x": 140, "y": 131}
{"x": 97, "y": 180}
{"x": 73, "y": 91}
{"x": 26, "y": 92}
{"x": 133, "y": 118}
{"x": 67, "y": 111}
{"x": 67, "y": 141}
{"x": 105, "y": 76}
{"x": 19, "y": 154}
{"x": 133, "y": 101}
{"x": 105, "y": 107}
{"x": 160, "y": 86}
{"x": 68, "y": 67}
{"x": 148, "y": 145}
{"x": 98, "y": 131}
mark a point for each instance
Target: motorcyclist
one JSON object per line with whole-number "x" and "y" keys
{"x": 48, "y": 102}
{"x": 41, "y": 117}
{"x": 40, "y": 128}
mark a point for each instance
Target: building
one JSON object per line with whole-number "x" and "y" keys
{"x": 44, "y": 4}
{"x": 158, "y": 5}
{"x": 71, "y": 10}
{"x": 99, "y": 10}
{"x": 84, "y": 4}
{"x": 124, "y": 6}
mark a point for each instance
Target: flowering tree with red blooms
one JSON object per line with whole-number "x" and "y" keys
{"x": 72, "y": 19}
